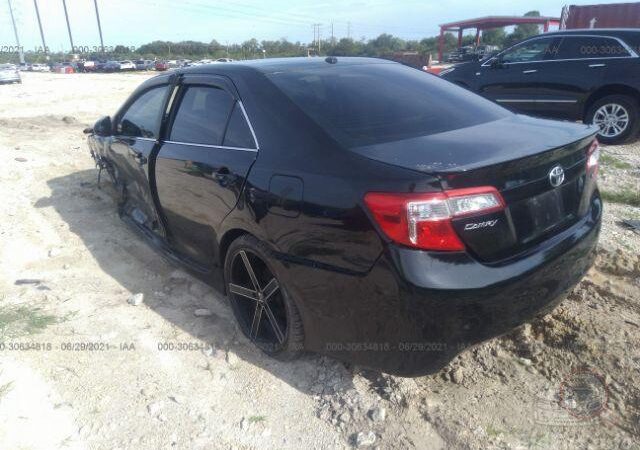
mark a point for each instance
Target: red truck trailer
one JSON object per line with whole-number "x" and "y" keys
{"x": 614, "y": 15}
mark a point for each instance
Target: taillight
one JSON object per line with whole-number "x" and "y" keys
{"x": 593, "y": 155}
{"x": 424, "y": 220}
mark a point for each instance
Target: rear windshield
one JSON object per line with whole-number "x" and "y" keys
{"x": 361, "y": 105}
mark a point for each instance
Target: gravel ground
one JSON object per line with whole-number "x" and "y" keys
{"x": 87, "y": 363}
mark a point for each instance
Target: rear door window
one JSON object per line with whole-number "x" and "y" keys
{"x": 202, "y": 116}
{"x": 584, "y": 47}
{"x": 142, "y": 118}
{"x": 238, "y": 132}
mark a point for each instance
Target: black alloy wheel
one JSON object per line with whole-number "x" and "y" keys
{"x": 265, "y": 312}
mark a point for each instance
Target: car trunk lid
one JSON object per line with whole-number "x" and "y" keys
{"x": 516, "y": 156}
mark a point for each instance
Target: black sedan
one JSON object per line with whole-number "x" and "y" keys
{"x": 356, "y": 207}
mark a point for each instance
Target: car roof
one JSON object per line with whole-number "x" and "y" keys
{"x": 273, "y": 65}
{"x": 596, "y": 31}
{"x": 245, "y": 70}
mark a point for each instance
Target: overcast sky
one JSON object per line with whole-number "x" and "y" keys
{"x": 135, "y": 22}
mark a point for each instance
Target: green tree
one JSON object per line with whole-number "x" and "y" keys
{"x": 494, "y": 36}
{"x": 385, "y": 43}
{"x": 346, "y": 47}
{"x": 251, "y": 48}
{"x": 524, "y": 31}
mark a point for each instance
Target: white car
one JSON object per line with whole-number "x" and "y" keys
{"x": 127, "y": 65}
{"x": 223, "y": 60}
{"x": 9, "y": 74}
{"x": 39, "y": 68}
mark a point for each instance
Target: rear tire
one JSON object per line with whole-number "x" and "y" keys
{"x": 617, "y": 116}
{"x": 261, "y": 303}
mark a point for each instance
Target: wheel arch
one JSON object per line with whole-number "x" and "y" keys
{"x": 610, "y": 89}
{"x": 228, "y": 237}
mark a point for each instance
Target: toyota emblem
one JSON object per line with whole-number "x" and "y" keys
{"x": 556, "y": 176}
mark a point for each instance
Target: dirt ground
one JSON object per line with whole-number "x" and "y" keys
{"x": 80, "y": 367}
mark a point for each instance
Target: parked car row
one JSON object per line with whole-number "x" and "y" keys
{"x": 588, "y": 75}
{"x": 116, "y": 66}
{"x": 177, "y": 63}
{"x": 472, "y": 53}
{"x": 35, "y": 67}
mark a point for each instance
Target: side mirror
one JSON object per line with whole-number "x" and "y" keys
{"x": 103, "y": 127}
{"x": 497, "y": 62}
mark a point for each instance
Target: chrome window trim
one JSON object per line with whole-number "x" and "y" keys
{"x": 122, "y": 136}
{"x": 632, "y": 53}
{"x": 223, "y": 147}
{"x": 246, "y": 117}
{"x": 530, "y": 100}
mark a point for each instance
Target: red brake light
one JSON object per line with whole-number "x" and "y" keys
{"x": 424, "y": 220}
{"x": 593, "y": 156}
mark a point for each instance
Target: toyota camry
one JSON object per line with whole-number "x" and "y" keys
{"x": 356, "y": 207}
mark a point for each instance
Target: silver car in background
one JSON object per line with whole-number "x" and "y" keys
{"x": 9, "y": 74}
{"x": 144, "y": 64}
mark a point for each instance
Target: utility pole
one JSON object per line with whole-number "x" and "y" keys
{"x": 319, "y": 39}
{"x": 95, "y": 3}
{"x": 44, "y": 44}
{"x": 349, "y": 30}
{"x": 66, "y": 16}
{"x": 314, "y": 43}
{"x": 15, "y": 31}
{"x": 332, "y": 33}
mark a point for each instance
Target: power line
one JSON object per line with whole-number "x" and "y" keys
{"x": 66, "y": 15}
{"x": 15, "y": 32}
{"x": 95, "y": 3}
{"x": 225, "y": 12}
{"x": 282, "y": 16}
{"x": 44, "y": 44}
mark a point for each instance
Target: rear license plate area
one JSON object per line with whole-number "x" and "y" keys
{"x": 538, "y": 215}
{"x": 546, "y": 210}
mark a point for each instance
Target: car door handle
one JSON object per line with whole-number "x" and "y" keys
{"x": 139, "y": 157}
{"x": 530, "y": 71}
{"x": 222, "y": 174}
{"x": 597, "y": 65}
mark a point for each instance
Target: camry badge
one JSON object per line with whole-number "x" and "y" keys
{"x": 556, "y": 176}
{"x": 475, "y": 226}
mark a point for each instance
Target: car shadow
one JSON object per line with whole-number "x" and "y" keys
{"x": 91, "y": 213}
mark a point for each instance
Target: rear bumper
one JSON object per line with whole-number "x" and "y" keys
{"x": 415, "y": 310}
{"x": 9, "y": 78}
